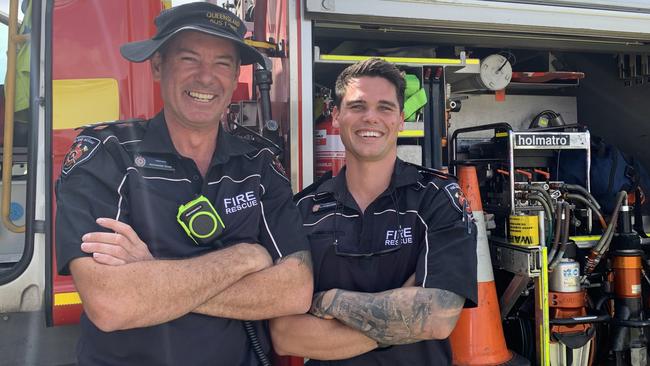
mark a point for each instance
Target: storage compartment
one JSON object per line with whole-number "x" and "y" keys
{"x": 602, "y": 86}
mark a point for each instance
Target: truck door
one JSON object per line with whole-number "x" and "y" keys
{"x": 22, "y": 243}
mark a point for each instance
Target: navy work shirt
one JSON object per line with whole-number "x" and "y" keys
{"x": 132, "y": 172}
{"x": 420, "y": 225}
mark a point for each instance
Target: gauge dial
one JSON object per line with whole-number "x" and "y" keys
{"x": 496, "y": 72}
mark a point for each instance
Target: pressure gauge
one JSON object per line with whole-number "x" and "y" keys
{"x": 496, "y": 72}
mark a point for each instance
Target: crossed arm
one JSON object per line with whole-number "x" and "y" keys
{"x": 343, "y": 324}
{"x": 124, "y": 287}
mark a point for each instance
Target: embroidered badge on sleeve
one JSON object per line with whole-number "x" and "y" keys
{"x": 82, "y": 149}
{"x": 460, "y": 203}
{"x": 277, "y": 166}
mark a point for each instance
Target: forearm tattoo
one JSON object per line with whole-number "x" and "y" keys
{"x": 303, "y": 257}
{"x": 399, "y": 316}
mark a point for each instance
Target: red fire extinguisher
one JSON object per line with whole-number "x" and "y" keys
{"x": 329, "y": 152}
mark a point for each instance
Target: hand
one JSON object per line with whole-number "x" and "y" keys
{"x": 120, "y": 247}
{"x": 322, "y": 303}
{"x": 261, "y": 257}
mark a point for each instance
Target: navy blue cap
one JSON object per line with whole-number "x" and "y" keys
{"x": 201, "y": 17}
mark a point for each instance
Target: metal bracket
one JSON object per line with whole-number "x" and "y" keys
{"x": 520, "y": 260}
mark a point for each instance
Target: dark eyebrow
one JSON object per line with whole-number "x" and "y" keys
{"x": 388, "y": 103}
{"x": 221, "y": 57}
{"x": 355, "y": 101}
{"x": 185, "y": 50}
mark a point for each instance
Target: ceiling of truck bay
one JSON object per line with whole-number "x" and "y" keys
{"x": 604, "y": 25}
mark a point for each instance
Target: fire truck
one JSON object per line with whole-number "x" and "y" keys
{"x": 519, "y": 89}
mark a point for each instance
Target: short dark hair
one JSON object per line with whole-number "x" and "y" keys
{"x": 372, "y": 67}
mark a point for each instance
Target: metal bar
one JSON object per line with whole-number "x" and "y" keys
{"x": 10, "y": 100}
{"x": 542, "y": 328}
{"x": 453, "y": 143}
{"x": 45, "y": 37}
{"x": 477, "y": 161}
{"x": 511, "y": 169}
{"x": 434, "y": 119}
{"x": 428, "y": 148}
{"x": 438, "y": 118}
{"x": 511, "y": 294}
{"x": 413, "y": 61}
{"x": 259, "y": 31}
{"x": 426, "y": 128}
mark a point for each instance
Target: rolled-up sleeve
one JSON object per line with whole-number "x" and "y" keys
{"x": 448, "y": 258}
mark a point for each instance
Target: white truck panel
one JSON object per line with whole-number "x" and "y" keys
{"x": 628, "y": 20}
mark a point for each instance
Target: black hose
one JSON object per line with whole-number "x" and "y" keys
{"x": 582, "y": 199}
{"x": 548, "y": 112}
{"x": 255, "y": 343}
{"x": 602, "y": 301}
{"x": 544, "y": 193}
{"x": 586, "y": 319}
{"x": 631, "y": 323}
{"x": 584, "y": 191}
{"x": 559, "y": 217}
{"x": 564, "y": 237}
{"x": 602, "y": 246}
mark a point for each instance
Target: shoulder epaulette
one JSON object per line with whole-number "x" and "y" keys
{"x": 431, "y": 172}
{"x": 101, "y": 125}
{"x": 259, "y": 151}
{"x": 312, "y": 187}
{"x": 256, "y": 140}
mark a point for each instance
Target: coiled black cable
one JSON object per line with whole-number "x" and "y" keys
{"x": 255, "y": 343}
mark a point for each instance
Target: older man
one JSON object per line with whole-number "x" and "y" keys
{"x": 171, "y": 227}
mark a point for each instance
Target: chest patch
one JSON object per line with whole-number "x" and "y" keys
{"x": 240, "y": 202}
{"x": 82, "y": 149}
{"x": 399, "y": 237}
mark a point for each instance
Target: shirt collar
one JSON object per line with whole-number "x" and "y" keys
{"x": 157, "y": 140}
{"x": 404, "y": 174}
{"x": 229, "y": 146}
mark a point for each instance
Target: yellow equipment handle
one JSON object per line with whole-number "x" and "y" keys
{"x": 10, "y": 98}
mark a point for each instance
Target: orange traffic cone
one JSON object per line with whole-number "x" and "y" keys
{"x": 478, "y": 337}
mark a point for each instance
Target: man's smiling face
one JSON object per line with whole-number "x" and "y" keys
{"x": 369, "y": 119}
{"x": 198, "y": 74}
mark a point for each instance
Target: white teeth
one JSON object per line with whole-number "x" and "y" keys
{"x": 369, "y": 134}
{"x": 201, "y": 96}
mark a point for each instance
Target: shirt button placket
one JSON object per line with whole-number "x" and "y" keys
{"x": 197, "y": 183}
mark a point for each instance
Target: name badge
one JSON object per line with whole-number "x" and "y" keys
{"x": 150, "y": 162}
